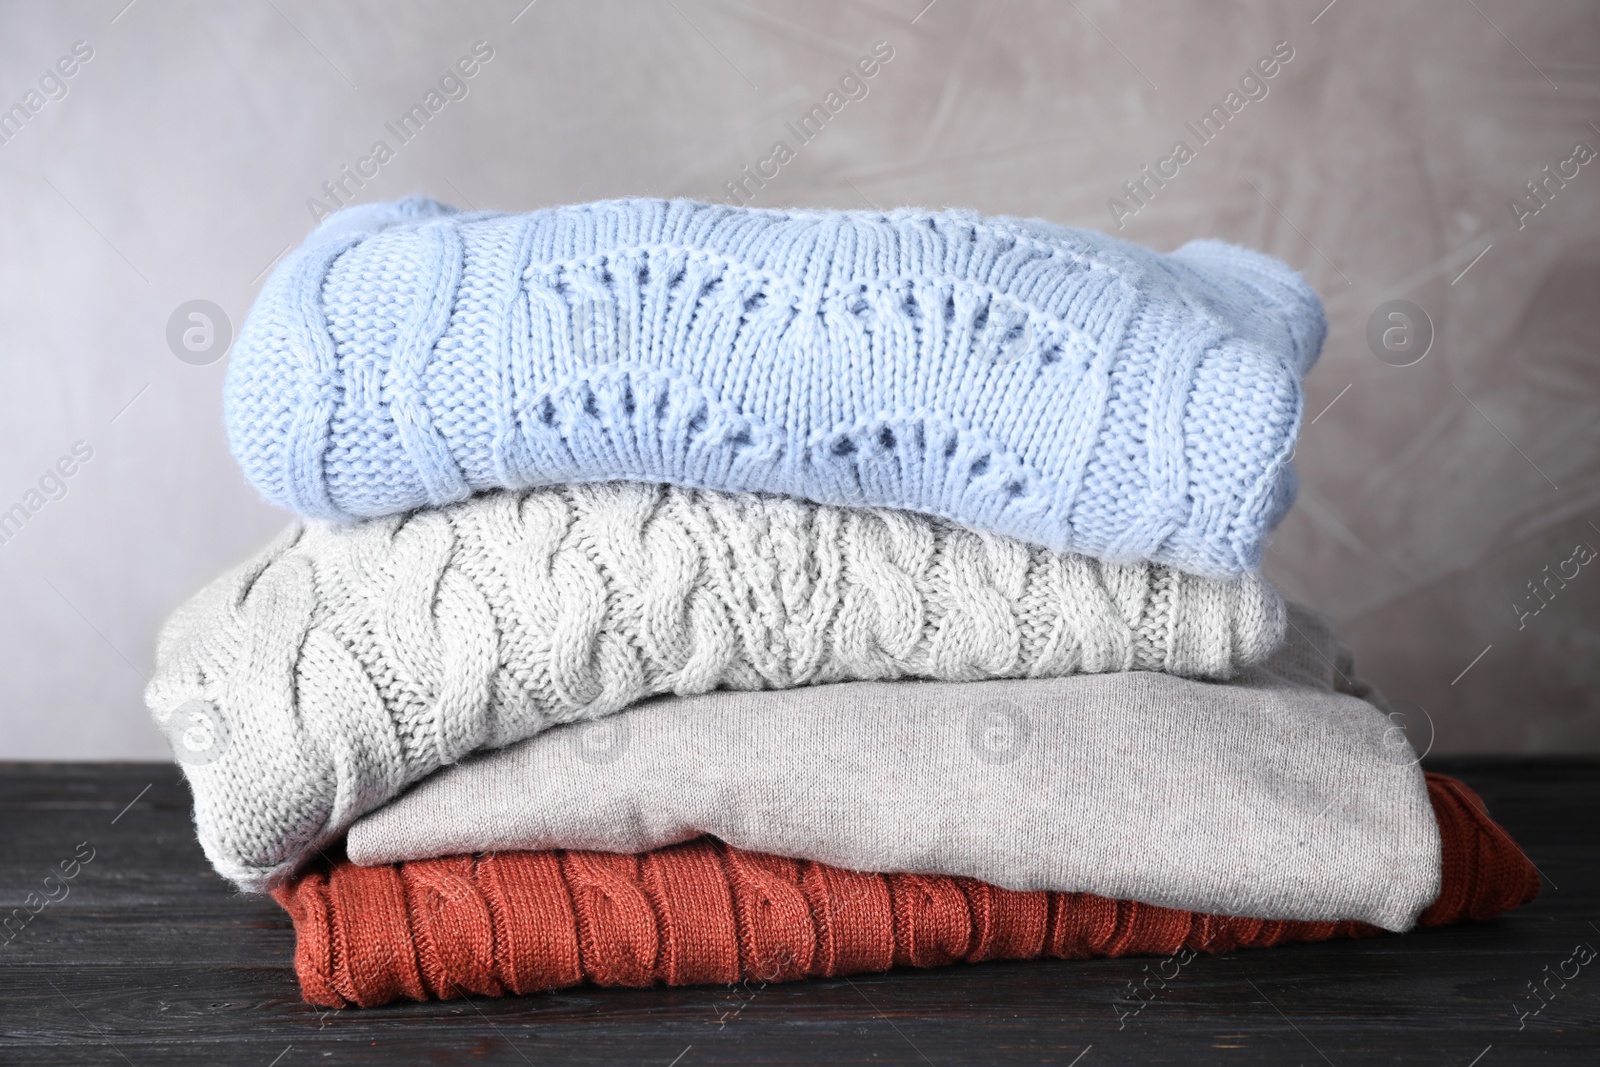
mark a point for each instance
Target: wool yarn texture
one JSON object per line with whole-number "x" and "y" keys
{"x": 313, "y": 682}
{"x": 706, "y": 913}
{"x": 1281, "y": 795}
{"x": 1054, "y": 385}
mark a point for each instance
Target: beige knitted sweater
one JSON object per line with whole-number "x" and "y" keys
{"x": 312, "y": 683}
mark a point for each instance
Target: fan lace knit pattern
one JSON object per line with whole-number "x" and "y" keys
{"x": 1055, "y": 385}
{"x": 701, "y": 913}
{"x": 346, "y": 662}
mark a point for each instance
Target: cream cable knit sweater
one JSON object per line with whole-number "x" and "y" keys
{"x": 315, "y": 681}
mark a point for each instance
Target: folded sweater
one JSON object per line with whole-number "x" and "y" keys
{"x": 310, "y": 684}
{"x": 518, "y": 922}
{"x": 1279, "y": 796}
{"x": 1056, "y": 385}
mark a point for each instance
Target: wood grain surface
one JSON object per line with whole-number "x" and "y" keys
{"x": 150, "y": 959}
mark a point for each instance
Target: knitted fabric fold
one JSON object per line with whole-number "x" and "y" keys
{"x": 315, "y": 681}
{"x": 1055, "y": 385}
{"x": 703, "y": 913}
{"x": 1282, "y": 795}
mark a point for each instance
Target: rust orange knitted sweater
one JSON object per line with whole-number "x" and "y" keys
{"x": 703, "y": 912}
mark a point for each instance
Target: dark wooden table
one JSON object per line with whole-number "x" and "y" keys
{"x": 150, "y": 959}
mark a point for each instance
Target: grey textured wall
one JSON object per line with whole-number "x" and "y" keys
{"x": 177, "y": 161}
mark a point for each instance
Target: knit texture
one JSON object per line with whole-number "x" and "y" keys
{"x": 1279, "y": 796}
{"x": 700, "y": 913}
{"x": 1055, "y": 385}
{"x": 313, "y": 682}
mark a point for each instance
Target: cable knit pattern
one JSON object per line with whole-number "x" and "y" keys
{"x": 1054, "y": 385}
{"x": 310, "y": 684}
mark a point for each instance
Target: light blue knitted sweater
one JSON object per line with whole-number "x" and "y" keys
{"x": 1055, "y": 385}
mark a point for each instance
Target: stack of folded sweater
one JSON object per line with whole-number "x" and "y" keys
{"x": 687, "y": 593}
